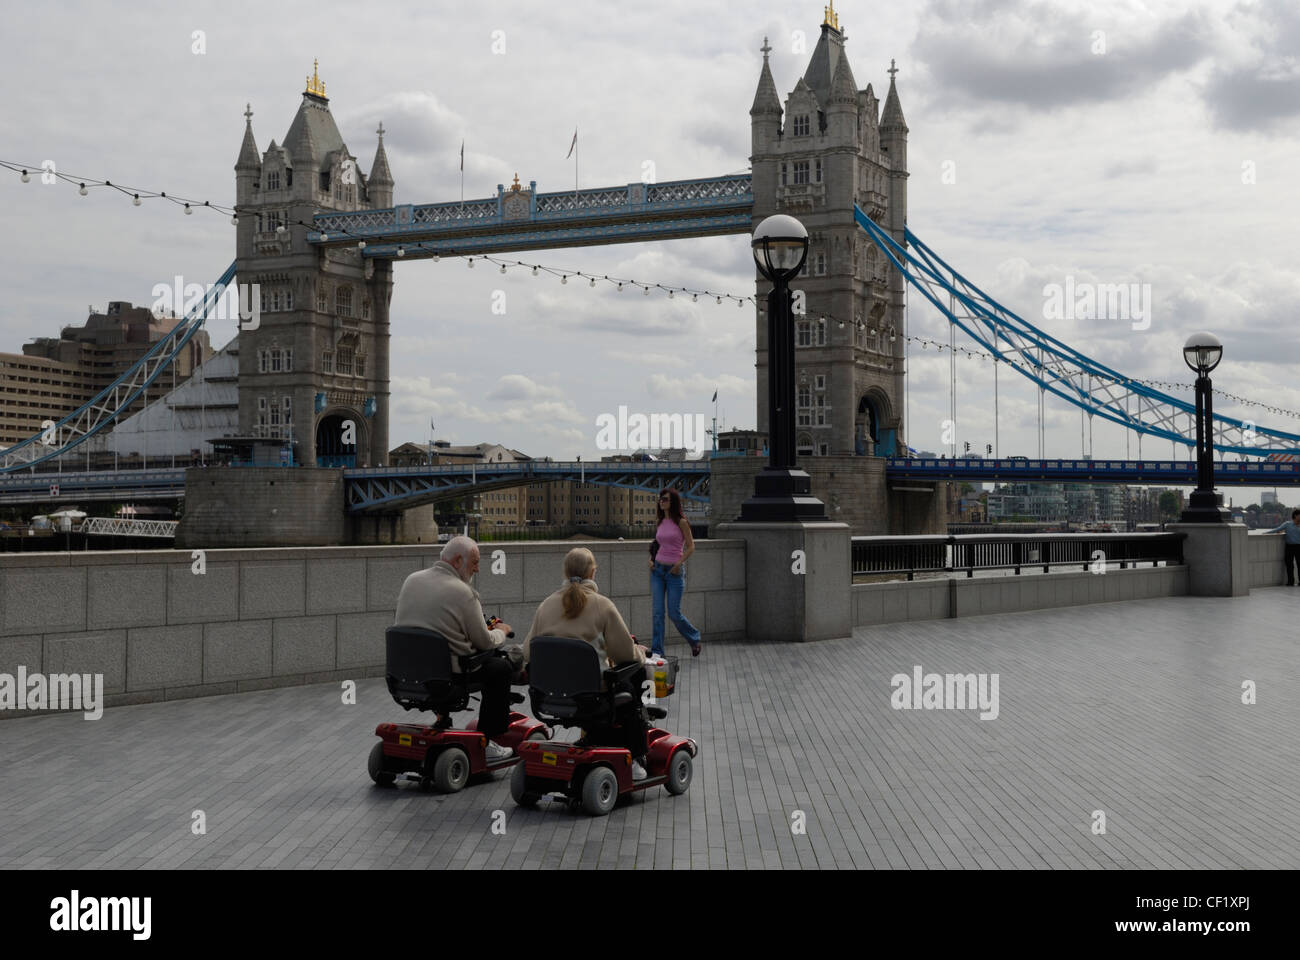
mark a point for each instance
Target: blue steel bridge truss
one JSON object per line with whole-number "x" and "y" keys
{"x": 378, "y": 489}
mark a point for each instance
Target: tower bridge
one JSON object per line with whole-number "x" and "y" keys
{"x": 320, "y": 237}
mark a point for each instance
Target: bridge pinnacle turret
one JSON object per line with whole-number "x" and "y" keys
{"x": 766, "y": 101}
{"x": 379, "y": 184}
{"x": 249, "y": 158}
{"x": 892, "y": 117}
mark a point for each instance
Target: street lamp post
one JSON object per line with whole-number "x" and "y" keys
{"x": 782, "y": 492}
{"x": 1202, "y": 353}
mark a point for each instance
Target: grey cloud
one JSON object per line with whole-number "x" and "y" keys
{"x": 1049, "y": 63}
{"x": 1263, "y": 93}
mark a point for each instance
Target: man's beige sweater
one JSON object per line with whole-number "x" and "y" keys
{"x": 438, "y": 599}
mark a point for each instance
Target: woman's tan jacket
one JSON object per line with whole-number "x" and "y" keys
{"x": 599, "y": 617}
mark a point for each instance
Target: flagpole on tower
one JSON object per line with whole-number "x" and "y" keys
{"x": 715, "y": 421}
{"x": 462, "y": 177}
{"x": 573, "y": 152}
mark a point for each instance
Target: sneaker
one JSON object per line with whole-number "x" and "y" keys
{"x": 497, "y": 752}
{"x": 638, "y": 771}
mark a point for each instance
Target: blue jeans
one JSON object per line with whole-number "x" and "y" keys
{"x": 665, "y": 585}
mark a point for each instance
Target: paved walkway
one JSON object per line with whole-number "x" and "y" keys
{"x": 1131, "y": 708}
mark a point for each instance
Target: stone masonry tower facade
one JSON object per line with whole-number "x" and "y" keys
{"x": 319, "y": 355}
{"x": 828, "y": 148}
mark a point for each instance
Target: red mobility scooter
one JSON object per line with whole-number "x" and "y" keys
{"x": 420, "y": 678}
{"x": 565, "y": 685}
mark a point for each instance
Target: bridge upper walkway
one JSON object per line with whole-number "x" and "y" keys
{"x": 524, "y": 219}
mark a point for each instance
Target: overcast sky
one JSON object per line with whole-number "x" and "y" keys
{"x": 1128, "y": 165}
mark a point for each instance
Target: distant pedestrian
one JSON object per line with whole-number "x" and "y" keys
{"x": 1291, "y": 549}
{"x": 672, "y": 546}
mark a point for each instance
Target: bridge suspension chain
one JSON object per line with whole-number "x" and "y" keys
{"x": 114, "y": 400}
{"x": 1058, "y": 368}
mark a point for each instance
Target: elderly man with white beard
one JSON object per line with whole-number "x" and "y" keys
{"x": 441, "y": 599}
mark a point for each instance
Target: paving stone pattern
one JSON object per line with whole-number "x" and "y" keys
{"x": 1132, "y": 708}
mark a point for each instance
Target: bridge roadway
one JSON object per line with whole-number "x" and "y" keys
{"x": 1131, "y": 708}
{"x": 373, "y": 489}
{"x": 377, "y": 489}
{"x": 1253, "y": 473}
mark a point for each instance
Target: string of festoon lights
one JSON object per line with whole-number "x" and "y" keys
{"x": 138, "y": 195}
{"x": 189, "y": 204}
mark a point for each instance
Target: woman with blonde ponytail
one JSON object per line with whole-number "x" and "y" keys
{"x": 577, "y": 609}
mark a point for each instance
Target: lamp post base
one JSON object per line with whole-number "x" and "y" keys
{"x": 1205, "y": 506}
{"x": 782, "y": 495}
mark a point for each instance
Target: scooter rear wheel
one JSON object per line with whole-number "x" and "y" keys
{"x": 376, "y": 767}
{"x": 519, "y": 788}
{"x": 599, "y": 791}
{"x": 451, "y": 770}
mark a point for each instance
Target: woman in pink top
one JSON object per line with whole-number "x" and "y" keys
{"x": 673, "y": 545}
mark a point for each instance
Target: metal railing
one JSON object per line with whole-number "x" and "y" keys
{"x": 954, "y": 554}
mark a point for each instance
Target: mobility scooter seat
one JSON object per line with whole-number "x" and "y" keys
{"x": 419, "y": 671}
{"x": 420, "y": 677}
{"x": 570, "y": 687}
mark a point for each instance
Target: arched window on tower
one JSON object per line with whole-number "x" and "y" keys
{"x": 801, "y": 126}
{"x": 273, "y": 180}
{"x": 343, "y": 301}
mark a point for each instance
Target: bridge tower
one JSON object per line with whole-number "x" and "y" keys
{"x": 828, "y": 148}
{"x": 319, "y": 356}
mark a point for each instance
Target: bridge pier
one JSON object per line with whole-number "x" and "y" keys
{"x": 854, "y": 489}
{"x": 416, "y": 525}
{"x": 279, "y": 507}
{"x": 262, "y": 507}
